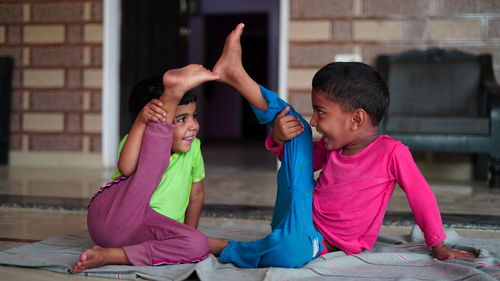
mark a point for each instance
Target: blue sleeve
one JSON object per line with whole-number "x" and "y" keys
{"x": 275, "y": 105}
{"x": 296, "y": 170}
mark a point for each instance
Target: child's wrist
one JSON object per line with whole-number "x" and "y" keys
{"x": 172, "y": 95}
{"x": 438, "y": 247}
{"x": 276, "y": 140}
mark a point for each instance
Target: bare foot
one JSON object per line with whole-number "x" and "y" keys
{"x": 180, "y": 80}
{"x": 216, "y": 245}
{"x": 229, "y": 65}
{"x": 98, "y": 256}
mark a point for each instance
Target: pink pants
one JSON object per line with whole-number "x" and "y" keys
{"x": 120, "y": 216}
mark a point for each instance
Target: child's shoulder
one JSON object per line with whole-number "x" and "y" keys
{"x": 196, "y": 146}
{"x": 196, "y": 143}
{"x": 392, "y": 144}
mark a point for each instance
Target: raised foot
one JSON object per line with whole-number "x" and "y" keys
{"x": 229, "y": 65}
{"x": 180, "y": 80}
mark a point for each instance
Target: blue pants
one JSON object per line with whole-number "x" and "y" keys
{"x": 293, "y": 241}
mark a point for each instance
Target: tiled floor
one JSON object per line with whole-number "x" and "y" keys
{"x": 237, "y": 179}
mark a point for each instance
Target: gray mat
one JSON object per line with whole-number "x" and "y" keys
{"x": 393, "y": 258}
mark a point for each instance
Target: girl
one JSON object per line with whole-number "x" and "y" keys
{"x": 120, "y": 220}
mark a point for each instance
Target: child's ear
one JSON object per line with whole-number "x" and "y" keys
{"x": 359, "y": 117}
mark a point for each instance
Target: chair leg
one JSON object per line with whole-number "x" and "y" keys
{"x": 481, "y": 166}
{"x": 495, "y": 173}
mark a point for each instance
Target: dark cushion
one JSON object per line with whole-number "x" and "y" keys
{"x": 437, "y": 125}
{"x": 434, "y": 88}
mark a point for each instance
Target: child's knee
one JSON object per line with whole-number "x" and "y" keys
{"x": 198, "y": 244}
{"x": 290, "y": 252}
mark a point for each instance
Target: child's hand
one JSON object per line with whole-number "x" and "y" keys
{"x": 286, "y": 127}
{"x": 152, "y": 111}
{"x": 441, "y": 252}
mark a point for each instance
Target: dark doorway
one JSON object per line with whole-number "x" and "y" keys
{"x": 153, "y": 40}
{"x": 6, "y": 68}
{"x": 226, "y": 114}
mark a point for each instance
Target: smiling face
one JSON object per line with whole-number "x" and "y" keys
{"x": 186, "y": 127}
{"x": 330, "y": 121}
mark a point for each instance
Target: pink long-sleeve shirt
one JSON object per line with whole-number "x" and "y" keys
{"x": 352, "y": 193}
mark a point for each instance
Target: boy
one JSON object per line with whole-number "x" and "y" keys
{"x": 359, "y": 168}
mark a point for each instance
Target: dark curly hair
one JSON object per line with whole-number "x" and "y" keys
{"x": 148, "y": 89}
{"x": 354, "y": 85}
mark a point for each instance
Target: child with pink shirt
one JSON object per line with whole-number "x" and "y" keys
{"x": 359, "y": 168}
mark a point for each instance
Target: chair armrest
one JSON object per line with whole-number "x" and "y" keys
{"x": 491, "y": 87}
{"x": 488, "y": 80}
{"x": 494, "y": 98}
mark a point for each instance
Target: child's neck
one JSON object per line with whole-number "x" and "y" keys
{"x": 363, "y": 140}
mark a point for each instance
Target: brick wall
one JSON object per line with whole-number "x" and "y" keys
{"x": 57, "y": 47}
{"x": 320, "y": 29}
{"x": 56, "y": 102}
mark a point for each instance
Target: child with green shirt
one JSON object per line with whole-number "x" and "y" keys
{"x": 178, "y": 197}
{"x": 120, "y": 219}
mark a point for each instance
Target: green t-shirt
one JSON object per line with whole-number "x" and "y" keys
{"x": 171, "y": 197}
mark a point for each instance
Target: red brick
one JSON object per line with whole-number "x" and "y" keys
{"x": 97, "y": 56}
{"x": 417, "y": 29}
{"x": 315, "y": 55}
{"x": 11, "y": 13}
{"x": 57, "y": 56}
{"x": 55, "y": 142}
{"x": 301, "y": 101}
{"x": 14, "y": 52}
{"x": 14, "y": 34}
{"x": 56, "y": 101}
{"x": 16, "y": 142}
{"x": 57, "y": 12}
{"x": 471, "y": 7}
{"x": 74, "y": 33}
{"x": 394, "y": 7}
{"x": 494, "y": 29}
{"x": 97, "y": 11}
{"x": 16, "y": 78}
{"x": 15, "y": 122}
{"x": 96, "y": 102}
{"x": 95, "y": 143}
{"x": 74, "y": 78}
{"x": 16, "y": 101}
{"x": 320, "y": 8}
{"x": 73, "y": 122}
{"x": 342, "y": 30}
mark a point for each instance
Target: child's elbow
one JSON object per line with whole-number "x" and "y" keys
{"x": 125, "y": 172}
{"x": 198, "y": 196}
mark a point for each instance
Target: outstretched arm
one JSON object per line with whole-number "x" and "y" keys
{"x": 230, "y": 69}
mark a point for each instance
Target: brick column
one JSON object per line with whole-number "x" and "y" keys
{"x": 56, "y": 109}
